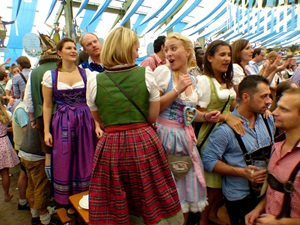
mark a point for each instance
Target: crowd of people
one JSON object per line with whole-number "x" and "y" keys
{"x": 164, "y": 142}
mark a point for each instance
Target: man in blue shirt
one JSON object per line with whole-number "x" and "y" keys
{"x": 19, "y": 80}
{"x": 224, "y": 155}
{"x": 92, "y": 46}
{"x": 258, "y": 56}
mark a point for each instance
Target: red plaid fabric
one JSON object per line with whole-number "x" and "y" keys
{"x": 131, "y": 176}
{"x": 281, "y": 167}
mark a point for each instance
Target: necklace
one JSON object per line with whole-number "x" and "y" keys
{"x": 68, "y": 71}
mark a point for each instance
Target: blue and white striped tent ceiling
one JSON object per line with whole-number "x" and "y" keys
{"x": 263, "y": 22}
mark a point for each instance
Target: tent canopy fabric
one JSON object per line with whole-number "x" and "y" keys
{"x": 224, "y": 19}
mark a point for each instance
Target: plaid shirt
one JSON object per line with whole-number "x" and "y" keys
{"x": 281, "y": 167}
{"x": 296, "y": 76}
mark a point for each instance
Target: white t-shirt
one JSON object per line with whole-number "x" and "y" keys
{"x": 8, "y": 85}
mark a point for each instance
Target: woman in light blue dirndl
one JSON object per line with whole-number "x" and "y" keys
{"x": 179, "y": 90}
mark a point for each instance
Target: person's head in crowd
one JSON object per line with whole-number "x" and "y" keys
{"x": 280, "y": 88}
{"x": 4, "y": 76}
{"x": 179, "y": 52}
{"x": 241, "y": 52}
{"x": 91, "y": 45}
{"x": 258, "y": 55}
{"x": 272, "y": 56}
{"x": 293, "y": 63}
{"x": 254, "y": 93}
{"x": 159, "y": 44}
{"x": 82, "y": 57}
{"x": 23, "y": 63}
{"x": 199, "y": 54}
{"x": 287, "y": 113}
{"x": 217, "y": 61}
{"x": 66, "y": 49}
{"x": 113, "y": 55}
{"x": 14, "y": 69}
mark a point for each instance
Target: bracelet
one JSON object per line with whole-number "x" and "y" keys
{"x": 204, "y": 116}
{"x": 174, "y": 88}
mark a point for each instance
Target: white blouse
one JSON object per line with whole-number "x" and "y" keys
{"x": 238, "y": 74}
{"x": 162, "y": 75}
{"x": 47, "y": 81}
{"x": 151, "y": 84}
{"x": 204, "y": 86}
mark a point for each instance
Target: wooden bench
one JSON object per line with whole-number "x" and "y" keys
{"x": 62, "y": 215}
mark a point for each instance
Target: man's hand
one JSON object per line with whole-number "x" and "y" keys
{"x": 266, "y": 219}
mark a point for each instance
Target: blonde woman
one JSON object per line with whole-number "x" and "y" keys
{"x": 131, "y": 182}
{"x": 179, "y": 89}
{"x": 8, "y": 156}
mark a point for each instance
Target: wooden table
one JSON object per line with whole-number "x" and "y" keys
{"x": 84, "y": 213}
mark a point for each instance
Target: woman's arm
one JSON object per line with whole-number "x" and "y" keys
{"x": 167, "y": 99}
{"x": 98, "y": 122}
{"x": 47, "y": 113}
{"x": 153, "y": 111}
{"x": 234, "y": 122}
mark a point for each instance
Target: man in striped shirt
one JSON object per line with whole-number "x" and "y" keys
{"x": 281, "y": 204}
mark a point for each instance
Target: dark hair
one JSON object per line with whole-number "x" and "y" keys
{"x": 256, "y": 51}
{"x": 196, "y": 48}
{"x": 24, "y": 62}
{"x": 3, "y": 74}
{"x": 60, "y": 45}
{"x": 211, "y": 50}
{"x": 249, "y": 84}
{"x": 158, "y": 43}
{"x": 82, "y": 57}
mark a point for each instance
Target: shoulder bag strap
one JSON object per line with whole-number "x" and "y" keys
{"x": 130, "y": 99}
{"x": 212, "y": 127}
{"x": 23, "y": 77}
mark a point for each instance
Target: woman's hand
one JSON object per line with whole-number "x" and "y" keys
{"x": 250, "y": 218}
{"x": 236, "y": 124}
{"x": 48, "y": 139}
{"x": 212, "y": 116}
{"x": 99, "y": 132}
{"x": 183, "y": 82}
{"x": 267, "y": 114}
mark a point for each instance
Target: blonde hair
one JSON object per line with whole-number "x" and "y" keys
{"x": 117, "y": 47}
{"x": 4, "y": 117}
{"x": 186, "y": 42}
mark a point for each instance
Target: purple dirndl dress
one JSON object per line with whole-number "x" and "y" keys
{"x": 74, "y": 141}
